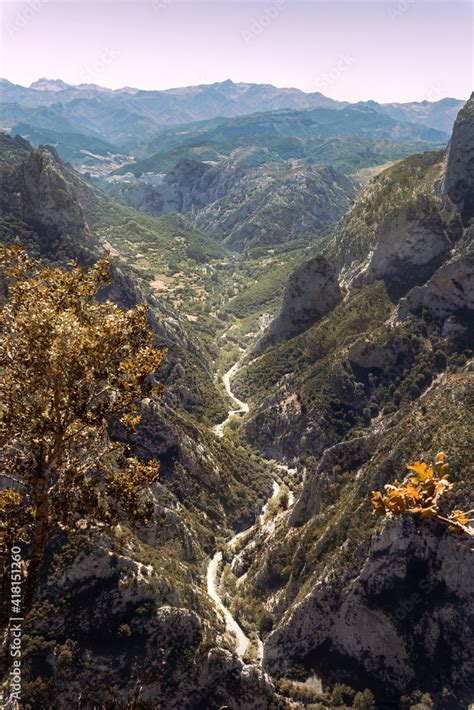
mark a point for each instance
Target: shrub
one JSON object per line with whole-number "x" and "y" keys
{"x": 419, "y": 494}
{"x": 364, "y": 700}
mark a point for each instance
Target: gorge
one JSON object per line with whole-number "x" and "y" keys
{"x": 317, "y": 320}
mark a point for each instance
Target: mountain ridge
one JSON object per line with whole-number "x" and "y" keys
{"x": 176, "y": 106}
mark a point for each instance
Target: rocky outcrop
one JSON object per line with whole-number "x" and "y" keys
{"x": 34, "y": 189}
{"x": 246, "y": 206}
{"x": 448, "y": 296}
{"x": 311, "y": 292}
{"x": 349, "y": 455}
{"x": 449, "y": 293}
{"x": 411, "y": 245}
{"x": 402, "y": 228}
{"x": 393, "y": 350}
{"x": 112, "y": 625}
{"x": 389, "y": 226}
{"x": 414, "y": 240}
{"x": 407, "y": 617}
{"x": 48, "y": 200}
{"x": 459, "y": 176}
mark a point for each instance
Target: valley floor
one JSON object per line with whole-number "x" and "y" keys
{"x": 214, "y": 570}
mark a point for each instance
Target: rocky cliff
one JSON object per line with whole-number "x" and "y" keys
{"x": 122, "y": 615}
{"x": 311, "y": 292}
{"x": 35, "y": 191}
{"x": 382, "y": 378}
{"x": 405, "y": 619}
{"x": 243, "y": 205}
{"x": 459, "y": 176}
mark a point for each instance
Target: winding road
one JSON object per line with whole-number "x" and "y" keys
{"x": 232, "y": 626}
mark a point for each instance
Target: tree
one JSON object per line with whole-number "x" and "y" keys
{"x": 419, "y": 494}
{"x": 364, "y": 700}
{"x": 69, "y": 364}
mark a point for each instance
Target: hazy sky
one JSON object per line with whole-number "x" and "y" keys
{"x": 393, "y": 50}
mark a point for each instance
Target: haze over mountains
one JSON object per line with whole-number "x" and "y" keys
{"x": 225, "y": 98}
{"x": 127, "y": 118}
{"x": 243, "y": 161}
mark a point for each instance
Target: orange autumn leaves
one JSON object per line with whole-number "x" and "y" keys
{"x": 419, "y": 494}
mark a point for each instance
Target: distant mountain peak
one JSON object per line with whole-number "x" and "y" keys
{"x": 45, "y": 84}
{"x": 93, "y": 87}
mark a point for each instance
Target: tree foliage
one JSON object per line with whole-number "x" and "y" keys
{"x": 69, "y": 363}
{"x": 419, "y": 494}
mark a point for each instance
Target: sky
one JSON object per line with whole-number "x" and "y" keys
{"x": 386, "y": 50}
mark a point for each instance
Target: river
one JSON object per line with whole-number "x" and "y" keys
{"x": 241, "y": 407}
{"x": 232, "y": 626}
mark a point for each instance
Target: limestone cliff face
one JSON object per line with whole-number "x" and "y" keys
{"x": 47, "y": 199}
{"x": 448, "y": 293}
{"x": 125, "y": 629}
{"x": 408, "y": 614}
{"x": 247, "y": 206}
{"x": 36, "y": 191}
{"x": 311, "y": 292}
{"x": 459, "y": 176}
{"x": 392, "y": 217}
{"x": 411, "y": 245}
{"x": 404, "y": 249}
{"x": 405, "y": 224}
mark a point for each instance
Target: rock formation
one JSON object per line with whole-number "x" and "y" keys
{"x": 406, "y": 617}
{"x": 459, "y": 175}
{"x": 312, "y": 290}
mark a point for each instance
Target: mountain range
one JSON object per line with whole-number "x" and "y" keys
{"x": 128, "y": 118}
{"x": 319, "y": 336}
{"x": 192, "y": 103}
